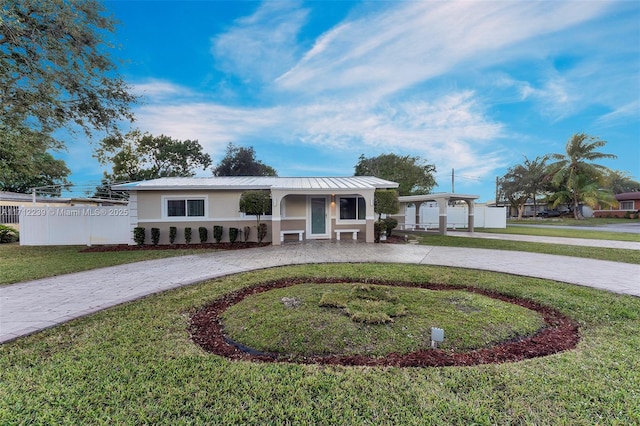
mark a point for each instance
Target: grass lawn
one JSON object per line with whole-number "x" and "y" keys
{"x": 23, "y": 263}
{"x": 570, "y": 221}
{"x": 564, "y": 233}
{"x": 615, "y": 255}
{"x": 135, "y": 364}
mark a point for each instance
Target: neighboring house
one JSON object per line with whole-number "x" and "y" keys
{"x": 303, "y": 208}
{"x": 628, "y": 205}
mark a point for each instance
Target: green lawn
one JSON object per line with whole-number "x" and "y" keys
{"x": 23, "y": 263}
{"x": 135, "y": 364}
{"x": 615, "y": 255}
{"x": 564, "y": 232}
{"x": 570, "y": 221}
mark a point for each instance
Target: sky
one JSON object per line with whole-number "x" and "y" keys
{"x": 469, "y": 86}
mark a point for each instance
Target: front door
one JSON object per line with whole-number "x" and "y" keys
{"x": 318, "y": 217}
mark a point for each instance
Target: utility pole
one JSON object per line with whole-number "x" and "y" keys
{"x": 453, "y": 183}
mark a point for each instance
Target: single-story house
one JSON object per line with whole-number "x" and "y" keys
{"x": 303, "y": 208}
{"x": 628, "y": 205}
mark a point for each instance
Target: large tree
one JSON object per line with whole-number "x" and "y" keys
{"x": 523, "y": 182}
{"x": 414, "y": 176}
{"x": 142, "y": 156}
{"x": 56, "y": 71}
{"x": 576, "y": 176}
{"x": 241, "y": 161}
{"x": 618, "y": 181}
{"x": 25, "y": 162}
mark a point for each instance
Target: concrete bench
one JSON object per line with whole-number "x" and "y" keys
{"x": 354, "y": 233}
{"x": 291, "y": 232}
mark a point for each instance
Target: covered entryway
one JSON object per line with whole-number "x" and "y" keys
{"x": 318, "y": 224}
{"x": 443, "y": 200}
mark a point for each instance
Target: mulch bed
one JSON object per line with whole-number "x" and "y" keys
{"x": 560, "y": 334}
{"x": 210, "y": 246}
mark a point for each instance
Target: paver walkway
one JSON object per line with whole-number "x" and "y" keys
{"x": 35, "y": 305}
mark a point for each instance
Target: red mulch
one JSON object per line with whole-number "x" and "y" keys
{"x": 560, "y": 334}
{"x": 218, "y": 246}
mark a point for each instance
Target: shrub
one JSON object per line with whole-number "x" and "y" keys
{"x": 187, "y": 235}
{"x": 8, "y": 234}
{"x": 217, "y": 233}
{"x": 173, "y": 231}
{"x": 262, "y": 232}
{"x": 139, "y": 235}
{"x": 155, "y": 236}
{"x": 390, "y": 224}
{"x": 233, "y": 234}
{"x": 204, "y": 234}
{"x": 247, "y": 231}
{"x": 379, "y": 228}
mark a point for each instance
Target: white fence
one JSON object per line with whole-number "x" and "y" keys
{"x": 79, "y": 225}
{"x": 457, "y": 217}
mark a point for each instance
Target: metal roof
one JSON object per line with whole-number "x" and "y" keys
{"x": 259, "y": 182}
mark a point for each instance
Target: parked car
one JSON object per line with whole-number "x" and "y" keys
{"x": 553, "y": 213}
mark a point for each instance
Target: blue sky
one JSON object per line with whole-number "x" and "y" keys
{"x": 472, "y": 86}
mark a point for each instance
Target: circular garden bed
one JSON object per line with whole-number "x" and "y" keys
{"x": 378, "y": 323}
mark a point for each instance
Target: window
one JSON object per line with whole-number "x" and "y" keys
{"x": 185, "y": 208}
{"x": 626, "y": 205}
{"x": 352, "y": 208}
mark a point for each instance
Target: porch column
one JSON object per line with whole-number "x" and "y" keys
{"x": 370, "y": 217}
{"x": 275, "y": 219}
{"x": 442, "y": 206}
{"x": 471, "y": 220}
{"x": 417, "y": 204}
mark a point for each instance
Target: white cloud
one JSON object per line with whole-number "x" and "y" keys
{"x": 415, "y": 41}
{"x": 262, "y": 45}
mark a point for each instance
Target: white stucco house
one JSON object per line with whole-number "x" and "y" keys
{"x": 303, "y": 208}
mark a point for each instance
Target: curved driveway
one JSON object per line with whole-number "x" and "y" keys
{"x": 35, "y": 305}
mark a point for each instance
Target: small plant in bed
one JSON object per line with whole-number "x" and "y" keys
{"x": 348, "y": 319}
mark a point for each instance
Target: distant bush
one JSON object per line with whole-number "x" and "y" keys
{"x": 187, "y": 235}
{"x": 247, "y": 231}
{"x": 204, "y": 234}
{"x": 217, "y": 233}
{"x": 139, "y": 235}
{"x": 155, "y": 236}
{"x": 173, "y": 231}
{"x": 233, "y": 234}
{"x": 8, "y": 234}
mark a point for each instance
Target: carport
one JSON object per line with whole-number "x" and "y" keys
{"x": 443, "y": 200}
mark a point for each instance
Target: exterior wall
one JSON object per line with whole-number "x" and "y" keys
{"x": 164, "y": 228}
{"x": 221, "y": 208}
{"x": 291, "y": 212}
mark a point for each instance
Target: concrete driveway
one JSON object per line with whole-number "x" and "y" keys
{"x": 31, "y": 306}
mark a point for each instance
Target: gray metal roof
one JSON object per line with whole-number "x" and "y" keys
{"x": 259, "y": 182}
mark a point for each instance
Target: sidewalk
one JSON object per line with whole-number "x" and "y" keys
{"x": 35, "y": 305}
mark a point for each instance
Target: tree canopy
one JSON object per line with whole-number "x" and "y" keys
{"x": 241, "y": 161}
{"x": 523, "y": 182}
{"x": 25, "y": 162}
{"x": 55, "y": 71}
{"x": 137, "y": 156}
{"x": 575, "y": 175}
{"x": 414, "y": 176}
{"x": 55, "y": 67}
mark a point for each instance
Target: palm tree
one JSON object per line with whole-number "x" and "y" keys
{"x": 574, "y": 172}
